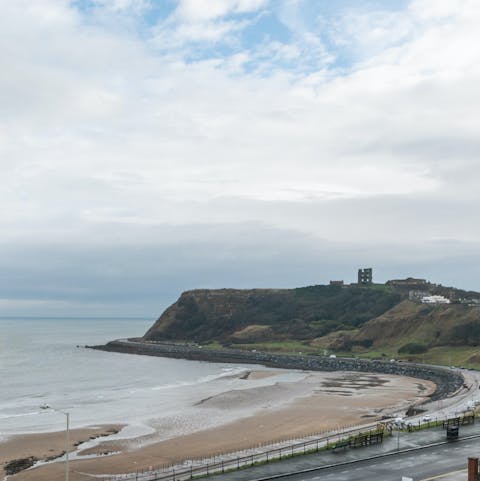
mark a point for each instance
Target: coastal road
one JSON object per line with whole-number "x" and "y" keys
{"x": 420, "y": 465}
{"x": 448, "y": 461}
{"x": 452, "y": 406}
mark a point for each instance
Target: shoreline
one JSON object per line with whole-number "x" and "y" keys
{"x": 447, "y": 381}
{"x": 28, "y": 449}
{"x": 317, "y": 403}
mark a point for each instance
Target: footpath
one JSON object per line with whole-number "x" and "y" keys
{"x": 398, "y": 442}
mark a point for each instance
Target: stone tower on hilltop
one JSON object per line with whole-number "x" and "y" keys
{"x": 365, "y": 276}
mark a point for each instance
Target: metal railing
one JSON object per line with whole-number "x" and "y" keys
{"x": 226, "y": 462}
{"x": 254, "y": 456}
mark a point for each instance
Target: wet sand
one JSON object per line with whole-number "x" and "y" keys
{"x": 46, "y": 446}
{"x": 318, "y": 403}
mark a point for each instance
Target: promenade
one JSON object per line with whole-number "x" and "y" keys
{"x": 423, "y": 445}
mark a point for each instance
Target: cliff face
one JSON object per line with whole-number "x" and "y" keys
{"x": 352, "y": 319}
{"x": 234, "y": 315}
{"x": 201, "y": 314}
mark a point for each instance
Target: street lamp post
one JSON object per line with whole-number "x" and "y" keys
{"x": 67, "y": 445}
{"x": 67, "y": 437}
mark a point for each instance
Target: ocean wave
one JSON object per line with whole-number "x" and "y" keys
{"x": 226, "y": 373}
{"x": 19, "y": 415}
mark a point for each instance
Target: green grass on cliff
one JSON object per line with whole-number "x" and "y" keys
{"x": 459, "y": 356}
{"x": 283, "y": 347}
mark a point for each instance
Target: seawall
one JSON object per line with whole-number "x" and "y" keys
{"x": 446, "y": 380}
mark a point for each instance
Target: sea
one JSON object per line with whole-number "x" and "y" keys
{"x": 44, "y": 362}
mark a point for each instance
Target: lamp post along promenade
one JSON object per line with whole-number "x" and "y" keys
{"x": 67, "y": 444}
{"x": 67, "y": 437}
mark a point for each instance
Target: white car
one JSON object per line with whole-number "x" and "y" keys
{"x": 426, "y": 418}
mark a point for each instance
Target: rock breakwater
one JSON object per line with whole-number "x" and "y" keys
{"x": 447, "y": 381}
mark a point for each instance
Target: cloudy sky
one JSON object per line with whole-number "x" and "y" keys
{"x": 153, "y": 146}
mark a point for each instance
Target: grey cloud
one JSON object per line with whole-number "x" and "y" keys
{"x": 129, "y": 175}
{"x": 142, "y": 279}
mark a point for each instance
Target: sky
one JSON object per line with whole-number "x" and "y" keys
{"x": 148, "y": 147}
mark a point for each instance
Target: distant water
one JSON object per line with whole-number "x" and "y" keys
{"x": 40, "y": 364}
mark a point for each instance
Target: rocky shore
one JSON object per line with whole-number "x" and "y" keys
{"x": 447, "y": 381}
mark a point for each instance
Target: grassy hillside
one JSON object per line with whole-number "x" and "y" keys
{"x": 445, "y": 334}
{"x": 375, "y": 321}
{"x": 410, "y": 323}
{"x": 238, "y": 316}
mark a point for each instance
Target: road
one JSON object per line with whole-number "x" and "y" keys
{"x": 452, "y": 406}
{"x": 421, "y": 465}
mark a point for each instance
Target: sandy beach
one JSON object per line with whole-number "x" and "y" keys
{"x": 317, "y": 402}
{"x": 45, "y": 446}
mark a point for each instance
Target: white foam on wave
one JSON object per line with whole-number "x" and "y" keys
{"x": 227, "y": 372}
{"x": 102, "y": 388}
{"x": 10, "y": 416}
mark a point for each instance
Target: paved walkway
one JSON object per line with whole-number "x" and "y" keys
{"x": 403, "y": 441}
